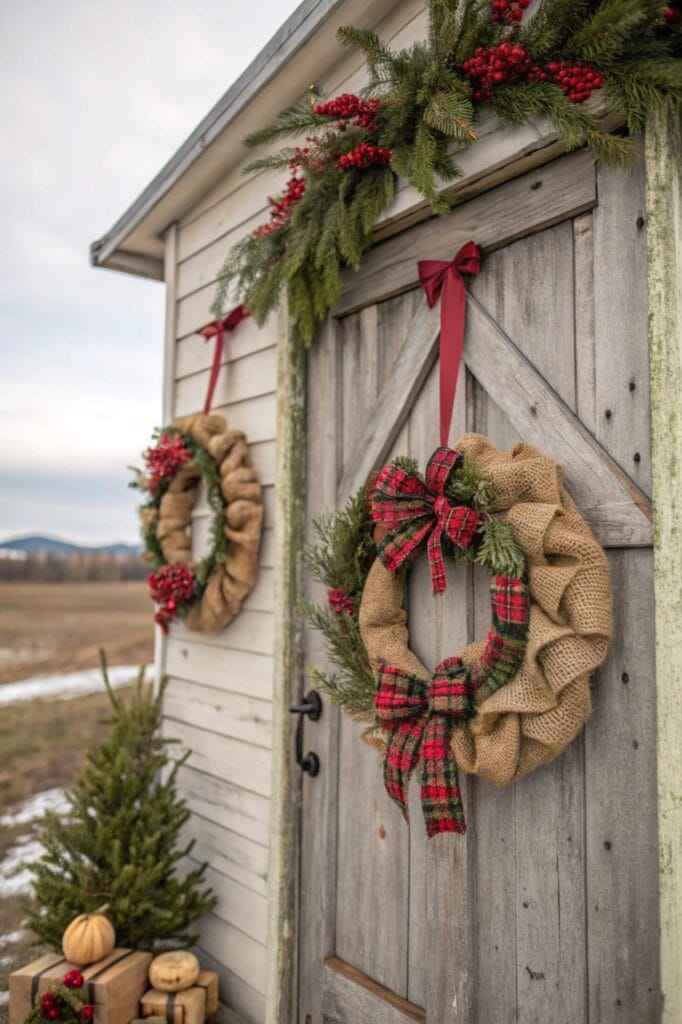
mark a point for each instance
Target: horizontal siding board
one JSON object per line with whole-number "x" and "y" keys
{"x": 231, "y": 671}
{"x": 223, "y": 757}
{"x": 194, "y": 353}
{"x": 236, "y": 905}
{"x": 231, "y": 807}
{"x": 254, "y": 375}
{"x": 230, "y": 714}
{"x": 235, "y": 856}
{"x": 250, "y": 632}
{"x": 239, "y": 1000}
{"x": 245, "y": 956}
{"x": 201, "y": 507}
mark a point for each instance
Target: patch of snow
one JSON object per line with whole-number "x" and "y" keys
{"x": 66, "y": 686}
{"x": 35, "y": 807}
{"x": 4, "y": 998}
{"x": 11, "y": 937}
{"x": 15, "y": 877}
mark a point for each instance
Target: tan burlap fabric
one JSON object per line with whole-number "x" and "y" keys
{"x": 233, "y": 578}
{"x": 532, "y": 719}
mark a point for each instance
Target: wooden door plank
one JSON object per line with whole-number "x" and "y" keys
{"x": 622, "y": 850}
{"x": 351, "y": 997}
{"x": 619, "y": 514}
{"x": 317, "y": 891}
{"x": 526, "y": 205}
{"x": 385, "y": 416}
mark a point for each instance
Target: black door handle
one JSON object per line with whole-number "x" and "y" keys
{"x": 312, "y": 707}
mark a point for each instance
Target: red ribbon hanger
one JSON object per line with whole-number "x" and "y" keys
{"x": 216, "y": 330}
{"x": 443, "y": 279}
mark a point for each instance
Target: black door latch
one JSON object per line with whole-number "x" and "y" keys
{"x": 312, "y": 707}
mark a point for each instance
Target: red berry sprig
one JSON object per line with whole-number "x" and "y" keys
{"x": 350, "y": 108}
{"x": 51, "y": 1006}
{"x": 88, "y": 1012}
{"x": 169, "y": 587}
{"x": 164, "y": 459}
{"x": 282, "y": 206}
{"x": 339, "y": 602}
{"x": 499, "y": 65}
{"x": 509, "y": 11}
{"x": 365, "y": 155}
{"x": 73, "y": 979}
{"x": 672, "y": 11}
{"x": 577, "y": 81}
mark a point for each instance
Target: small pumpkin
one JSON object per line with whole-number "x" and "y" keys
{"x": 174, "y": 971}
{"x": 89, "y": 938}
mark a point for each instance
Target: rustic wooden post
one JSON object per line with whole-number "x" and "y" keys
{"x": 664, "y": 231}
{"x": 285, "y": 793}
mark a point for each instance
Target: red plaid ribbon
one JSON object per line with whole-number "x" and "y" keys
{"x": 416, "y": 511}
{"x": 420, "y": 714}
{"x": 216, "y": 330}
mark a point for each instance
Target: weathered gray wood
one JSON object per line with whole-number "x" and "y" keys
{"x": 617, "y": 511}
{"x": 317, "y": 899}
{"x": 236, "y": 996}
{"x": 226, "y": 804}
{"x": 246, "y": 957}
{"x": 621, "y": 321}
{"x": 620, "y": 778}
{"x": 350, "y": 997}
{"x": 236, "y": 856}
{"x": 386, "y": 415}
{"x": 521, "y": 207}
{"x": 225, "y": 758}
{"x": 585, "y": 370}
{"x": 216, "y": 711}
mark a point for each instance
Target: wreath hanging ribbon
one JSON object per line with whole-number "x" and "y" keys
{"x": 443, "y": 279}
{"x": 216, "y": 329}
{"x": 416, "y": 512}
{"x": 421, "y": 714}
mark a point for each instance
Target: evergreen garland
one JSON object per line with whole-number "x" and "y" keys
{"x": 420, "y": 103}
{"x": 119, "y": 840}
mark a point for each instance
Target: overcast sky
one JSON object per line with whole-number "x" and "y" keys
{"x": 95, "y": 95}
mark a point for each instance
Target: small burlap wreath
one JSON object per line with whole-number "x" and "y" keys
{"x": 499, "y": 733}
{"x": 208, "y": 595}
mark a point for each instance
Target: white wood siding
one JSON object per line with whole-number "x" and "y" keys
{"x": 218, "y": 701}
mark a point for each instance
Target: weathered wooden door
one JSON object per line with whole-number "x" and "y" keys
{"x": 546, "y": 911}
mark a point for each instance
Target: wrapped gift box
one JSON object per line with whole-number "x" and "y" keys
{"x": 208, "y": 980}
{"x": 186, "y": 1007}
{"x": 114, "y": 985}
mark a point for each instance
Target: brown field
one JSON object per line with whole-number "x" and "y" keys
{"x": 51, "y": 628}
{"x": 59, "y": 627}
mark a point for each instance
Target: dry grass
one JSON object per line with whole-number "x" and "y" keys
{"x": 50, "y": 628}
{"x": 59, "y": 627}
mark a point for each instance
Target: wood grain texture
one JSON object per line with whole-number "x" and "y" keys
{"x": 350, "y": 997}
{"x": 226, "y": 804}
{"x": 664, "y": 223}
{"x": 246, "y": 958}
{"x": 521, "y": 207}
{"x": 219, "y": 711}
{"x": 225, "y": 758}
{"x": 236, "y": 856}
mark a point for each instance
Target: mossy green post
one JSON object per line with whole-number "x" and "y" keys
{"x": 664, "y": 231}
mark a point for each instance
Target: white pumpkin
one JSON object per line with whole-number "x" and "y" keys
{"x": 174, "y": 971}
{"x": 89, "y": 938}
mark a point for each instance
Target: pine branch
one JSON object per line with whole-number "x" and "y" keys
{"x": 296, "y": 120}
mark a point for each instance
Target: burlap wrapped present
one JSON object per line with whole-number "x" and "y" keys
{"x": 533, "y": 718}
{"x": 233, "y": 577}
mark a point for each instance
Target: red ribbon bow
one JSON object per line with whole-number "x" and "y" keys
{"x": 415, "y": 511}
{"x": 441, "y": 276}
{"x": 420, "y": 714}
{"x": 216, "y": 330}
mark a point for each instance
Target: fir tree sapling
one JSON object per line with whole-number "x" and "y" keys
{"x": 119, "y": 842}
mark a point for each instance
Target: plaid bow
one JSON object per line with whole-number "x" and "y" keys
{"x": 416, "y": 511}
{"x": 420, "y": 715}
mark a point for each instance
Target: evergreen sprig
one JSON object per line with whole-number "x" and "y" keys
{"x": 119, "y": 840}
{"x": 427, "y": 112}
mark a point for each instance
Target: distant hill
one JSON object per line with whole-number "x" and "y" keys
{"x": 55, "y": 546}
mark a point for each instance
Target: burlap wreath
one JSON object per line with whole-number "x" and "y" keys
{"x": 231, "y": 578}
{"x": 535, "y": 716}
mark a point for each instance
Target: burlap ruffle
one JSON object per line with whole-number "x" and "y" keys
{"x": 233, "y": 578}
{"x": 532, "y": 719}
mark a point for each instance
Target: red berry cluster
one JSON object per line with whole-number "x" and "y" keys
{"x": 510, "y": 11}
{"x": 500, "y": 65}
{"x": 169, "y": 587}
{"x": 339, "y": 602}
{"x": 164, "y": 460}
{"x": 348, "y": 107}
{"x": 51, "y": 1006}
{"x": 282, "y": 206}
{"x": 577, "y": 81}
{"x": 509, "y": 63}
{"x": 88, "y": 1012}
{"x": 672, "y": 11}
{"x": 365, "y": 155}
{"x": 73, "y": 979}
